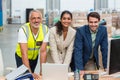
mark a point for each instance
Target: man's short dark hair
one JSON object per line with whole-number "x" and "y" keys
{"x": 93, "y": 14}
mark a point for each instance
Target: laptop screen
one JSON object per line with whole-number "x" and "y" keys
{"x": 54, "y": 71}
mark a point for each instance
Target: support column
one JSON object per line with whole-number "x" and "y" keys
{"x": 1, "y": 16}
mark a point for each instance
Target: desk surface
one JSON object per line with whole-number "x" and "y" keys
{"x": 101, "y": 78}
{"x": 105, "y": 77}
{"x": 72, "y": 78}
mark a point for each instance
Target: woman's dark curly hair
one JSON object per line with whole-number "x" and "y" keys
{"x": 59, "y": 25}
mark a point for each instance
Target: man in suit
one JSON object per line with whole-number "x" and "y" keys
{"x": 87, "y": 41}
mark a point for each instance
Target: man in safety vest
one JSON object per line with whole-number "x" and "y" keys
{"x": 31, "y": 38}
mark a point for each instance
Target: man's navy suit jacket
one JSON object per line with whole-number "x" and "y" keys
{"x": 83, "y": 46}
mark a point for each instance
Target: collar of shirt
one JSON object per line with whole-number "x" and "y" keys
{"x": 93, "y": 32}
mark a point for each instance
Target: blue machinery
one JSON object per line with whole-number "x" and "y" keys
{"x": 1, "y": 17}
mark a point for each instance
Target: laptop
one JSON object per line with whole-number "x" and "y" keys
{"x": 52, "y": 71}
{"x": 17, "y": 72}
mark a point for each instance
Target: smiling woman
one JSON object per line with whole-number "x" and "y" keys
{"x": 62, "y": 38}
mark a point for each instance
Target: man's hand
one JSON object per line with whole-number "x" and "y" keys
{"x": 40, "y": 73}
{"x": 36, "y": 76}
{"x": 2, "y": 78}
{"x": 82, "y": 72}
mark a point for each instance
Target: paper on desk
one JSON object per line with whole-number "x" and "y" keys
{"x": 20, "y": 70}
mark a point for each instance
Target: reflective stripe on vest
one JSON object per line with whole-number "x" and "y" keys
{"x": 33, "y": 48}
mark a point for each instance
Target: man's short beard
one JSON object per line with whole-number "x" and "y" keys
{"x": 36, "y": 26}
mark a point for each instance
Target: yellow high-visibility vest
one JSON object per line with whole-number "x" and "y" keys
{"x": 32, "y": 43}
